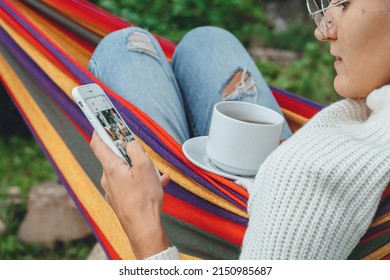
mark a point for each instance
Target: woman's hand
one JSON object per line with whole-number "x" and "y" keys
{"x": 135, "y": 193}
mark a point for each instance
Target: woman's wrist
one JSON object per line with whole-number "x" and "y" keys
{"x": 148, "y": 242}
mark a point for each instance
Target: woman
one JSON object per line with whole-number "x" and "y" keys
{"x": 316, "y": 194}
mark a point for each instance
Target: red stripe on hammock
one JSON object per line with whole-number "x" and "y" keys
{"x": 373, "y": 236}
{"x": 294, "y": 105}
{"x": 204, "y": 220}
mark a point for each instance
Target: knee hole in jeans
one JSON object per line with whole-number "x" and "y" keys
{"x": 240, "y": 84}
{"x": 139, "y": 41}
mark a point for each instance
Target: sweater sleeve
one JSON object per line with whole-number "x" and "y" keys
{"x": 169, "y": 254}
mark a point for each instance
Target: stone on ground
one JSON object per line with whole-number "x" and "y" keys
{"x": 52, "y": 216}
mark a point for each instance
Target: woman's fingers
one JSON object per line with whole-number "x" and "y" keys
{"x": 135, "y": 151}
{"x": 164, "y": 180}
{"x": 141, "y": 161}
{"x": 102, "y": 151}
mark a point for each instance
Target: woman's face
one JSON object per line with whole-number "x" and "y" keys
{"x": 360, "y": 42}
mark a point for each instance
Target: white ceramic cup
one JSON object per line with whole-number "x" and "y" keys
{"x": 242, "y": 135}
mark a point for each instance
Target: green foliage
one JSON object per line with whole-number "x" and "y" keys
{"x": 13, "y": 249}
{"x": 172, "y": 19}
{"x": 311, "y": 76}
{"x": 294, "y": 39}
{"x": 22, "y": 164}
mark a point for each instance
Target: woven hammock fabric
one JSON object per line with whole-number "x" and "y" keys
{"x": 45, "y": 47}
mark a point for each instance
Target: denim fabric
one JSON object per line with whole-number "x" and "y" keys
{"x": 180, "y": 95}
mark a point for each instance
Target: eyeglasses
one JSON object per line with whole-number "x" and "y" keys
{"x": 317, "y": 14}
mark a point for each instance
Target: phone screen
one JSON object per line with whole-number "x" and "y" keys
{"x": 111, "y": 122}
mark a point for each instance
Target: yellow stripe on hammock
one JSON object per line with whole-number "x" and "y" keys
{"x": 380, "y": 220}
{"x": 294, "y": 120}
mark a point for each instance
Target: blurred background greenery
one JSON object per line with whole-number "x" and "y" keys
{"x": 281, "y": 25}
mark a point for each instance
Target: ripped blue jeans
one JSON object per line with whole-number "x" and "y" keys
{"x": 209, "y": 65}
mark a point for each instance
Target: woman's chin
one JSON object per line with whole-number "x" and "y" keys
{"x": 345, "y": 89}
{"x": 339, "y": 87}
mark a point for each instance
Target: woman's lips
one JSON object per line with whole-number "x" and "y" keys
{"x": 338, "y": 61}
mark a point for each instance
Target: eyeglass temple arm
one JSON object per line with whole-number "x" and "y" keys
{"x": 323, "y": 10}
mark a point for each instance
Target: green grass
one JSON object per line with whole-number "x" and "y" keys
{"x": 23, "y": 164}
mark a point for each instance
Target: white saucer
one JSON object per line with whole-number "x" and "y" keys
{"x": 195, "y": 151}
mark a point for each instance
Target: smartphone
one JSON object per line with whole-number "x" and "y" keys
{"x": 104, "y": 118}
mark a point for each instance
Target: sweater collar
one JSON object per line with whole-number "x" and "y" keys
{"x": 379, "y": 99}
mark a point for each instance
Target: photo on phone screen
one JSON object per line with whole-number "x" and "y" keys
{"x": 111, "y": 122}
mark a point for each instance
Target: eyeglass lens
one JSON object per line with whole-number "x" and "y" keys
{"x": 314, "y": 8}
{"x": 325, "y": 4}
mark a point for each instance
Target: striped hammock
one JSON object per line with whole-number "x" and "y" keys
{"x": 45, "y": 48}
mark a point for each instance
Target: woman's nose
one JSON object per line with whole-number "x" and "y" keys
{"x": 327, "y": 30}
{"x": 318, "y": 34}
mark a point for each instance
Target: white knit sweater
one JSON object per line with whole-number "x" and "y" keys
{"x": 316, "y": 194}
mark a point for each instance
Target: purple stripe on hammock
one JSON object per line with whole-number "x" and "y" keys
{"x": 145, "y": 133}
{"x": 384, "y": 207}
{"x": 49, "y": 86}
{"x": 298, "y": 98}
{"x": 377, "y": 229}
